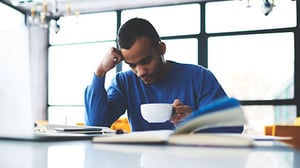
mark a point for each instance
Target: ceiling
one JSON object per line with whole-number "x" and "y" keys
{"x": 59, "y": 7}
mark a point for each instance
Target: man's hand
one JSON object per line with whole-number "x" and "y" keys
{"x": 111, "y": 59}
{"x": 180, "y": 111}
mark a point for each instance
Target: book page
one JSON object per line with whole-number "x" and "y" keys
{"x": 227, "y": 117}
{"x": 159, "y": 136}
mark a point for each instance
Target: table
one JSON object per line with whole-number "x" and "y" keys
{"x": 84, "y": 153}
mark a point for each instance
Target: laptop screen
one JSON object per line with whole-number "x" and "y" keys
{"x": 22, "y": 97}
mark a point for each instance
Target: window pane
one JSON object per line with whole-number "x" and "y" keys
{"x": 169, "y": 20}
{"x": 259, "y": 116}
{"x": 66, "y": 115}
{"x": 228, "y": 16}
{"x": 71, "y": 68}
{"x": 254, "y": 66}
{"x": 85, "y": 28}
{"x": 182, "y": 50}
{"x": 179, "y": 50}
{"x": 10, "y": 18}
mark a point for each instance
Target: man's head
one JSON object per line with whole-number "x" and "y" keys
{"x": 142, "y": 49}
{"x": 134, "y": 29}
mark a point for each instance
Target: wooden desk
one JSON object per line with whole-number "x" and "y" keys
{"x": 79, "y": 154}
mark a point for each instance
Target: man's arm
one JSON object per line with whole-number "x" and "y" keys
{"x": 98, "y": 109}
{"x": 102, "y": 107}
{"x": 95, "y": 99}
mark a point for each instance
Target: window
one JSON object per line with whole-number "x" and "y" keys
{"x": 73, "y": 59}
{"x": 169, "y": 20}
{"x": 182, "y": 50}
{"x": 260, "y": 116}
{"x": 71, "y": 70}
{"x": 85, "y": 28}
{"x": 240, "y": 61}
{"x": 227, "y": 16}
{"x": 252, "y": 55}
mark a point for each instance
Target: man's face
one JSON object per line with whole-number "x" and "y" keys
{"x": 144, "y": 60}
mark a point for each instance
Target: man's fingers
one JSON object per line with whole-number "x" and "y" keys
{"x": 117, "y": 55}
{"x": 182, "y": 109}
{"x": 177, "y": 102}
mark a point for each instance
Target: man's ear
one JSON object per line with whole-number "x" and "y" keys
{"x": 162, "y": 47}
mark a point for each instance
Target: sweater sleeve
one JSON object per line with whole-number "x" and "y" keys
{"x": 210, "y": 89}
{"x": 99, "y": 111}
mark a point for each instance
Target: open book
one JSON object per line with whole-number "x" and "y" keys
{"x": 217, "y": 124}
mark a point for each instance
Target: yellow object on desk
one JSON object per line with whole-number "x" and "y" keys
{"x": 41, "y": 122}
{"x": 121, "y": 124}
{"x": 297, "y": 121}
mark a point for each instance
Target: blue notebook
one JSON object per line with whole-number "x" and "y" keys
{"x": 222, "y": 116}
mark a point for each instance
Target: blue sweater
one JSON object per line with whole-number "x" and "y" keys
{"x": 194, "y": 85}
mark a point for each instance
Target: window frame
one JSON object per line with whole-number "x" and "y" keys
{"x": 203, "y": 36}
{"x": 203, "y": 40}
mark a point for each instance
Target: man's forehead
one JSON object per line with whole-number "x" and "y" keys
{"x": 136, "y": 60}
{"x": 139, "y": 51}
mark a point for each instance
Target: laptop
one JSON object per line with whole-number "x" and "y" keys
{"x": 22, "y": 95}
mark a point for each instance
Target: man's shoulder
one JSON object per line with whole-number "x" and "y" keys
{"x": 186, "y": 67}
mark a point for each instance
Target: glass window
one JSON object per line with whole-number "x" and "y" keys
{"x": 68, "y": 115}
{"x": 182, "y": 50}
{"x": 259, "y": 116}
{"x": 169, "y": 20}
{"x": 84, "y": 28}
{"x": 10, "y": 18}
{"x": 71, "y": 68}
{"x": 226, "y": 16}
{"x": 252, "y": 67}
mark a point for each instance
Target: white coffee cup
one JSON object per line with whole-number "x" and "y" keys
{"x": 157, "y": 112}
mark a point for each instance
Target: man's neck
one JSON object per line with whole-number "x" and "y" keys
{"x": 166, "y": 68}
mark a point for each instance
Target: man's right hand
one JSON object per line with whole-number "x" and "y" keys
{"x": 111, "y": 59}
{"x": 180, "y": 111}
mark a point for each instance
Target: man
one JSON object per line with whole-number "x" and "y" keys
{"x": 151, "y": 79}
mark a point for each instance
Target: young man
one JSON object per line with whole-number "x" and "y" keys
{"x": 151, "y": 79}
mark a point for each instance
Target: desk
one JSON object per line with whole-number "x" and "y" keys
{"x": 84, "y": 153}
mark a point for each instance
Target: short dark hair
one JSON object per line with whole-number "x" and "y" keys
{"x": 135, "y": 28}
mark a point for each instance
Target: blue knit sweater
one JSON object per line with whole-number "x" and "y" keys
{"x": 194, "y": 85}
